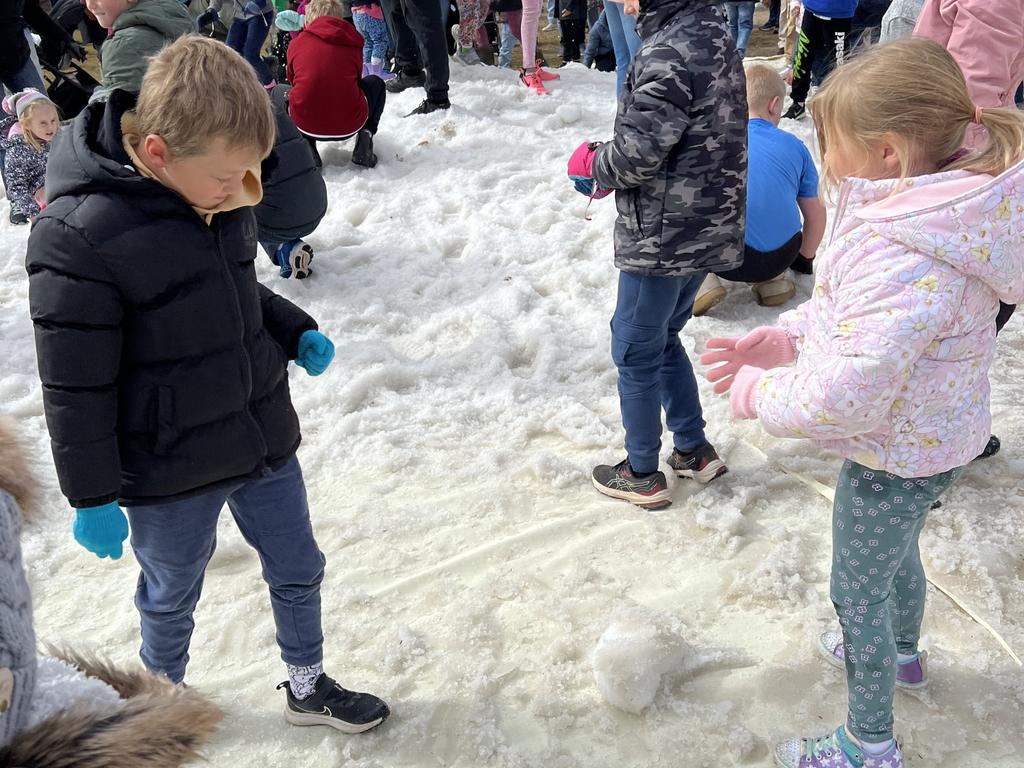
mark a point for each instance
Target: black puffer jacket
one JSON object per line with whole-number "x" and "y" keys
{"x": 294, "y": 192}
{"x": 163, "y": 361}
{"x": 678, "y": 161}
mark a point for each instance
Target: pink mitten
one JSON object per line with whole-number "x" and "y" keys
{"x": 742, "y": 399}
{"x": 582, "y": 160}
{"x": 765, "y": 347}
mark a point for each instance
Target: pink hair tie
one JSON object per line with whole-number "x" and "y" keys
{"x": 977, "y": 115}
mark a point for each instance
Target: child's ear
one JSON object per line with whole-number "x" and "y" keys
{"x": 891, "y": 153}
{"x": 775, "y": 106}
{"x": 156, "y": 149}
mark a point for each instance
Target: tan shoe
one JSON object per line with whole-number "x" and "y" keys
{"x": 711, "y": 292}
{"x": 774, "y": 292}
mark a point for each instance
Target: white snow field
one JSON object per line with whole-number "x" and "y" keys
{"x": 509, "y": 613}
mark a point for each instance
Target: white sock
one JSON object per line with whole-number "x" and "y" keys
{"x": 303, "y": 679}
{"x": 876, "y": 749}
{"x": 902, "y": 658}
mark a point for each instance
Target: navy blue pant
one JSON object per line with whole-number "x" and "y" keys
{"x": 174, "y": 542}
{"x": 247, "y": 38}
{"x": 654, "y": 371}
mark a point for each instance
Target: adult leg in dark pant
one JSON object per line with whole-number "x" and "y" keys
{"x": 419, "y": 41}
{"x": 818, "y": 38}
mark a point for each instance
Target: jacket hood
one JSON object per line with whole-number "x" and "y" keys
{"x": 168, "y": 17}
{"x": 655, "y": 13}
{"x": 971, "y": 221}
{"x": 335, "y": 31}
{"x": 88, "y": 155}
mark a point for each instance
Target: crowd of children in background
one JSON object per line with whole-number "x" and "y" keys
{"x": 924, "y": 265}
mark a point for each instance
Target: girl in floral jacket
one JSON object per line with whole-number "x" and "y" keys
{"x": 890, "y": 356}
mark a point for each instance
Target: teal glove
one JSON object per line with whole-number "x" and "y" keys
{"x": 315, "y": 352}
{"x": 101, "y": 529}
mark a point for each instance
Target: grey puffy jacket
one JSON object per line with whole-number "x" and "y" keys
{"x": 678, "y": 161}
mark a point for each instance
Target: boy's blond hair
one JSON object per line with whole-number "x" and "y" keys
{"x": 26, "y": 115}
{"x": 318, "y": 8}
{"x": 763, "y": 85}
{"x": 197, "y": 90}
{"x": 912, "y": 94}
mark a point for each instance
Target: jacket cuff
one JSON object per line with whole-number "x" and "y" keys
{"x": 97, "y": 501}
{"x": 743, "y": 395}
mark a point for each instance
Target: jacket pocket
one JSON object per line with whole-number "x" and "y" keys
{"x": 638, "y": 213}
{"x": 165, "y": 431}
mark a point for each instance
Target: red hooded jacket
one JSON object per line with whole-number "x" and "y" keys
{"x": 325, "y": 65}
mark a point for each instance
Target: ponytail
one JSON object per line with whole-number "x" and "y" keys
{"x": 1005, "y": 146}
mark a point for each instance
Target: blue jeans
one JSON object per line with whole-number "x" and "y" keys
{"x": 741, "y": 23}
{"x": 173, "y": 543}
{"x": 247, "y": 38}
{"x": 625, "y": 41}
{"x": 508, "y": 44}
{"x": 654, "y": 372}
{"x": 551, "y": 11}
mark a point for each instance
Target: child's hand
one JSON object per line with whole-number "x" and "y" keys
{"x": 315, "y": 352}
{"x": 742, "y": 398}
{"x": 580, "y": 170}
{"x": 101, "y": 529}
{"x": 765, "y": 347}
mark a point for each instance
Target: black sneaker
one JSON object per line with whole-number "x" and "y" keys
{"x": 363, "y": 153}
{"x": 427, "y": 106}
{"x": 332, "y": 705}
{"x": 991, "y": 449}
{"x": 17, "y": 216}
{"x": 405, "y": 80}
{"x": 796, "y": 111}
{"x": 701, "y": 464}
{"x": 619, "y": 482}
{"x": 802, "y": 265}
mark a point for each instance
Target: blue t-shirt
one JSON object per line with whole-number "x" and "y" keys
{"x": 779, "y": 170}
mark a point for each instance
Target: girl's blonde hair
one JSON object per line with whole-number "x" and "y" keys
{"x": 30, "y": 138}
{"x": 912, "y": 92}
{"x": 318, "y": 8}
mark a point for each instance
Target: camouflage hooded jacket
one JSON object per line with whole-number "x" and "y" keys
{"x": 678, "y": 161}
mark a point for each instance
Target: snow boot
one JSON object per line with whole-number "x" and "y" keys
{"x": 619, "y": 482}
{"x": 701, "y": 464}
{"x": 774, "y": 292}
{"x": 293, "y": 259}
{"x": 18, "y": 216}
{"x": 406, "y": 78}
{"x": 363, "y": 153}
{"x": 711, "y": 294}
{"x": 533, "y": 81}
{"x": 332, "y": 705}
{"x": 837, "y": 750}
{"x": 911, "y": 675}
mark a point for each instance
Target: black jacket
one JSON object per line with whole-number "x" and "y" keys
{"x": 163, "y": 361}
{"x": 13, "y": 43}
{"x": 294, "y": 192}
{"x": 678, "y": 161}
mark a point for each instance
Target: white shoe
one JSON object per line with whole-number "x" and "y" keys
{"x": 774, "y": 292}
{"x": 711, "y": 293}
{"x": 550, "y": 25}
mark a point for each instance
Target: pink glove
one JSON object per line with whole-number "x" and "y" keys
{"x": 765, "y": 347}
{"x": 581, "y": 161}
{"x": 742, "y": 399}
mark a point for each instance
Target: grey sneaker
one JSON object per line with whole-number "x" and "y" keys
{"x": 619, "y": 482}
{"x": 911, "y": 675}
{"x": 332, "y": 705}
{"x": 701, "y": 464}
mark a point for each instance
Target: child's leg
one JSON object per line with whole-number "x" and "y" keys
{"x": 376, "y": 95}
{"x": 645, "y": 309}
{"x": 876, "y": 520}
{"x": 809, "y": 45}
{"x": 256, "y": 31}
{"x": 362, "y": 24}
{"x": 380, "y": 40}
{"x": 679, "y": 395}
{"x": 471, "y": 15}
{"x": 273, "y": 516}
{"x": 173, "y": 543}
{"x": 613, "y": 15}
{"x": 528, "y": 32}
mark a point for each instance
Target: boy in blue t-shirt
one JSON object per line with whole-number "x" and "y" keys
{"x": 782, "y": 189}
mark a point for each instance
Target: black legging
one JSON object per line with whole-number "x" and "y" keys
{"x": 759, "y": 266}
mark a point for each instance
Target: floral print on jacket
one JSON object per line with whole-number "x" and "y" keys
{"x": 896, "y": 342}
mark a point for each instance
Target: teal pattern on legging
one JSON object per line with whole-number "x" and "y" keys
{"x": 878, "y": 583}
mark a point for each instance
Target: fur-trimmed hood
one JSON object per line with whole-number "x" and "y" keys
{"x": 15, "y": 477}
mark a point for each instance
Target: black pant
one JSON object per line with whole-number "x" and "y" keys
{"x": 1005, "y": 313}
{"x": 572, "y": 38}
{"x": 604, "y": 62}
{"x": 773, "y": 13}
{"x": 419, "y": 38}
{"x": 376, "y": 94}
{"x": 759, "y": 266}
{"x": 820, "y": 39}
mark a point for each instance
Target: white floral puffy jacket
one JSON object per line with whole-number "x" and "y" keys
{"x": 895, "y": 345}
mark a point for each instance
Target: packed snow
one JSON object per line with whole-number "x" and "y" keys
{"x": 512, "y": 616}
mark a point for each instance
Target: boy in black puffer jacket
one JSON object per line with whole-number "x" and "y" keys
{"x": 678, "y": 166}
{"x": 164, "y": 362}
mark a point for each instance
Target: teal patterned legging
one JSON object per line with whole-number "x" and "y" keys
{"x": 878, "y": 583}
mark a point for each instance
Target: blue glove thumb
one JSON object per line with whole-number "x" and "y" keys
{"x": 101, "y": 529}
{"x": 315, "y": 352}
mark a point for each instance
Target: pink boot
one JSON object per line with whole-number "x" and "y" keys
{"x": 534, "y": 81}
{"x": 545, "y": 75}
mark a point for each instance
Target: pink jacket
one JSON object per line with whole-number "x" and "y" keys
{"x": 896, "y": 342}
{"x": 986, "y": 37}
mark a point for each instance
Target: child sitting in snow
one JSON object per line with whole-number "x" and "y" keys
{"x": 71, "y": 711}
{"x": 890, "y": 356}
{"x": 27, "y": 132}
{"x": 782, "y": 188}
{"x": 677, "y": 164}
{"x": 164, "y": 362}
{"x": 330, "y": 99}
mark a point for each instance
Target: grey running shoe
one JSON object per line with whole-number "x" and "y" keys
{"x": 701, "y": 464}
{"x": 619, "y": 482}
